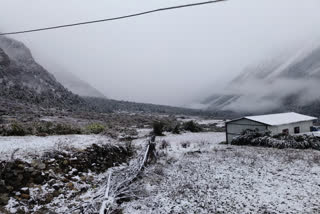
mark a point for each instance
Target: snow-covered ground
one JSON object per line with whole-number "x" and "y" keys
{"x": 32, "y": 145}
{"x": 195, "y": 173}
{"x": 199, "y": 175}
{"x": 220, "y": 123}
{"x": 317, "y": 133}
{"x": 143, "y": 132}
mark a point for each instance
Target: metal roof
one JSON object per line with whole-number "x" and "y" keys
{"x": 280, "y": 119}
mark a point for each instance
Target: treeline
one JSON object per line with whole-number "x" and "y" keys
{"x": 109, "y": 105}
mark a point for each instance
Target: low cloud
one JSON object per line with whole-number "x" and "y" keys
{"x": 168, "y": 58}
{"x": 261, "y": 96}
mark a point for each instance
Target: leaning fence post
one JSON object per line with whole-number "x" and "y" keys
{"x": 106, "y": 196}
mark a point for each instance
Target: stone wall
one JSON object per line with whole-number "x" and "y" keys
{"x": 17, "y": 176}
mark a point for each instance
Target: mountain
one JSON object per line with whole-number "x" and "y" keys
{"x": 26, "y": 87}
{"x": 75, "y": 84}
{"x": 23, "y": 79}
{"x": 283, "y": 84}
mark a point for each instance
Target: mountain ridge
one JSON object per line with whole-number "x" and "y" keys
{"x": 277, "y": 85}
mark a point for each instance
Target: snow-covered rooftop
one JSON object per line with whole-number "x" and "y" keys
{"x": 280, "y": 119}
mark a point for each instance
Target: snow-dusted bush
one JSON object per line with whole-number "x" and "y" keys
{"x": 158, "y": 128}
{"x": 247, "y": 137}
{"x": 50, "y": 128}
{"x": 185, "y": 144}
{"x": 65, "y": 129}
{"x": 255, "y": 138}
{"x": 192, "y": 126}
{"x": 17, "y": 129}
{"x": 14, "y": 129}
{"x": 95, "y": 128}
{"x": 176, "y": 129}
{"x": 39, "y": 129}
{"x": 163, "y": 145}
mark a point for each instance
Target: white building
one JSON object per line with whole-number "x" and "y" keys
{"x": 289, "y": 123}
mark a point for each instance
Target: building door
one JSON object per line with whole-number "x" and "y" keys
{"x": 296, "y": 130}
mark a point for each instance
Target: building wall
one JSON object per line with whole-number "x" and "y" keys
{"x": 304, "y": 127}
{"x": 235, "y": 128}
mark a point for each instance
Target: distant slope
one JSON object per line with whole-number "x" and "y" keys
{"x": 75, "y": 84}
{"x": 26, "y": 85}
{"x": 288, "y": 84}
{"x": 24, "y": 80}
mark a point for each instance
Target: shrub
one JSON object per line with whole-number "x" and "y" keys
{"x": 39, "y": 129}
{"x": 65, "y": 129}
{"x": 254, "y": 138}
{"x": 158, "y": 128}
{"x": 168, "y": 125}
{"x": 185, "y": 144}
{"x": 192, "y": 126}
{"x": 45, "y": 128}
{"x": 95, "y": 128}
{"x": 50, "y": 128}
{"x": 3, "y": 130}
{"x": 16, "y": 129}
{"x": 176, "y": 129}
{"x": 163, "y": 145}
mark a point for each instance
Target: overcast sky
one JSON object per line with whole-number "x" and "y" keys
{"x": 173, "y": 57}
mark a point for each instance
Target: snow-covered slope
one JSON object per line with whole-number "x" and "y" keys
{"x": 284, "y": 84}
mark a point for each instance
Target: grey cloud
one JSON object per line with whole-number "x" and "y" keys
{"x": 170, "y": 58}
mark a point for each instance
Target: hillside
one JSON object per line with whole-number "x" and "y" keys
{"x": 75, "y": 84}
{"x": 25, "y": 86}
{"x": 288, "y": 84}
{"x": 24, "y": 80}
